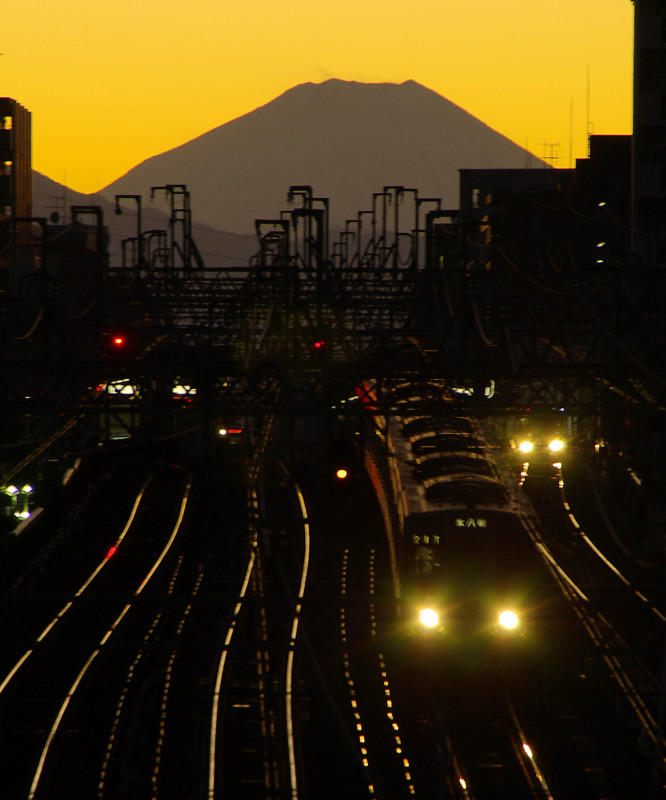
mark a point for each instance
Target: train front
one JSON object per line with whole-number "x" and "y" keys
{"x": 467, "y": 585}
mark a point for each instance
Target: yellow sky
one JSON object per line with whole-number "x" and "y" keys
{"x": 110, "y": 84}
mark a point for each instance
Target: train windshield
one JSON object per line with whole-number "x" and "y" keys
{"x": 467, "y": 550}
{"x": 425, "y": 560}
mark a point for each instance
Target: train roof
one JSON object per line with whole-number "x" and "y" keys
{"x": 445, "y": 471}
{"x": 434, "y": 464}
{"x": 465, "y": 488}
{"x": 422, "y": 424}
{"x": 445, "y": 441}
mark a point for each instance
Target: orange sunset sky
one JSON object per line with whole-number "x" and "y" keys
{"x": 110, "y": 84}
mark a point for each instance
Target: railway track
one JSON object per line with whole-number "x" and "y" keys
{"x": 264, "y": 659}
{"x": 50, "y": 677}
{"x": 625, "y": 631}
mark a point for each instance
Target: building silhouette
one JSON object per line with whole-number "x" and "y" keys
{"x": 649, "y": 132}
{"x": 15, "y": 186}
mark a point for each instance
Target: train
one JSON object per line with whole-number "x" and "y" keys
{"x": 466, "y": 568}
{"x": 541, "y": 434}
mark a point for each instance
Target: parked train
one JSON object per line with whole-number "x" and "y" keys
{"x": 467, "y": 569}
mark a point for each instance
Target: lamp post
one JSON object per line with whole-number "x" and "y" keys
{"x": 12, "y": 492}
{"x": 26, "y": 490}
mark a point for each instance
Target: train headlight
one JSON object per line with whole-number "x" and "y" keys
{"x": 555, "y": 445}
{"x": 525, "y": 446}
{"x": 428, "y": 617}
{"x": 508, "y": 619}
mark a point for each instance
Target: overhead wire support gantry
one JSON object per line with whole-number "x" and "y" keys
{"x": 407, "y": 286}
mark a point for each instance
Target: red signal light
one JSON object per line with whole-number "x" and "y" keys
{"x": 118, "y": 344}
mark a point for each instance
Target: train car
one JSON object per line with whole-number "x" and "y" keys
{"x": 541, "y": 435}
{"x": 467, "y": 568}
{"x": 465, "y": 573}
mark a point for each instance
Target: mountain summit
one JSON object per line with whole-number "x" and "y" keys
{"x": 343, "y": 138}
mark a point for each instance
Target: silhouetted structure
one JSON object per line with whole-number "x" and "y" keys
{"x": 649, "y": 143}
{"x": 15, "y": 182}
{"x": 536, "y": 218}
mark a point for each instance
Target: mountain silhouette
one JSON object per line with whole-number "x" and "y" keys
{"x": 344, "y": 139}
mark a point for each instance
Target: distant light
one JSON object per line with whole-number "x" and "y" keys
{"x": 508, "y": 619}
{"x": 601, "y": 244}
{"x": 28, "y": 489}
{"x": 184, "y": 389}
{"x": 635, "y": 478}
{"x": 428, "y": 617}
{"x": 112, "y": 550}
{"x": 230, "y": 431}
{"x": 341, "y": 473}
{"x": 602, "y": 204}
{"x": 525, "y": 446}
{"x": 556, "y": 445}
{"x": 122, "y": 386}
{"x": 11, "y": 490}
{"x": 528, "y": 750}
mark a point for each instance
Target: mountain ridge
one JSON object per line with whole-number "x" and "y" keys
{"x": 346, "y": 139}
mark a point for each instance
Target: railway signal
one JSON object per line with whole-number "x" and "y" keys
{"x": 117, "y": 344}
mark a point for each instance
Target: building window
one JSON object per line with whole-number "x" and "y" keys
{"x": 6, "y": 123}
